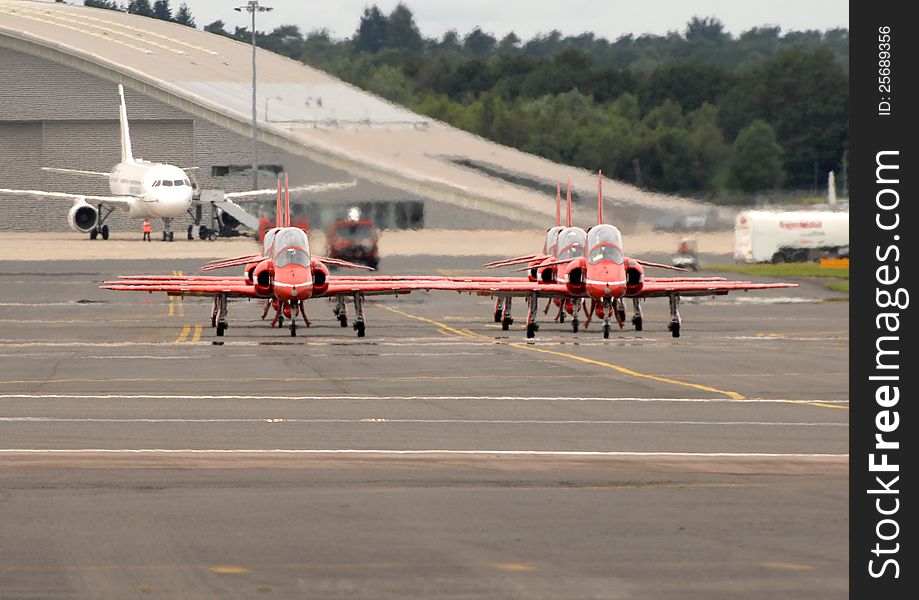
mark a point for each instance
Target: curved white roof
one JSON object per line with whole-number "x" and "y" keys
{"x": 310, "y": 113}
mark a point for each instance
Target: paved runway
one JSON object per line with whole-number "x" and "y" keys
{"x": 439, "y": 457}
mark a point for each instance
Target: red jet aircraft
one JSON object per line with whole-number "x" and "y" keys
{"x": 285, "y": 274}
{"x": 603, "y": 275}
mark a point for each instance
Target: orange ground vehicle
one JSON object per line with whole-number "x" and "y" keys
{"x": 354, "y": 240}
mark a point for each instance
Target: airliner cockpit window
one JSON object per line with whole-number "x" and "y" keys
{"x": 156, "y": 183}
{"x": 180, "y": 182}
{"x": 167, "y": 182}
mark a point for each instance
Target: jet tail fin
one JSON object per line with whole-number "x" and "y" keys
{"x": 599, "y": 197}
{"x": 569, "y": 201}
{"x": 126, "y": 155}
{"x": 558, "y": 204}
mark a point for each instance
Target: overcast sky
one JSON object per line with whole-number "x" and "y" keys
{"x": 605, "y": 18}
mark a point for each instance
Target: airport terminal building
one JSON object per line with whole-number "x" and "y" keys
{"x": 189, "y": 103}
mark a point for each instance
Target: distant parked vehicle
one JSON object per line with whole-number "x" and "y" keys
{"x": 354, "y": 239}
{"x": 790, "y": 236}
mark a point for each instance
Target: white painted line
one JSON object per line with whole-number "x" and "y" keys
{"x": 384, "y": 420}
{"x": 384, "y": 398}
{"x": 600, "y": 453}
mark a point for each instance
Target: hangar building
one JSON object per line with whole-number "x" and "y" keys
{"x": 188, "y": 95}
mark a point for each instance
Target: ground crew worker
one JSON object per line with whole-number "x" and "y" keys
{"x": 147, "y": 230}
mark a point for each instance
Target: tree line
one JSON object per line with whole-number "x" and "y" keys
{"x": 699, "y": 112}
{"x": 159, "y": 9}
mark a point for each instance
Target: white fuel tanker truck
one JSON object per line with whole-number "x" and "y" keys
{"x": 790, "y": 236}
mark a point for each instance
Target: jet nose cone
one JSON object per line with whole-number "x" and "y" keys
{"x": 606, "y": 281}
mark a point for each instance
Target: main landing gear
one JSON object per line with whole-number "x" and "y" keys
{"x": 532, "y": 325}
{"x": 359, "y": 313}
{"x": 636, "y": 313}
{"x": 168, "y": 235}
{"x": 506, "y": 319}
{"x": 100, "y": 228}
{"x": 575, "y": 324}
{"x": 674, "y": 325}
{"x": 341, "y": 311}
{"x": 219, "y": 315}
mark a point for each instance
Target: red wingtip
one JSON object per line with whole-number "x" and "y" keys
{"x": 569, "y": 201}
{"x": 600, "y": 198}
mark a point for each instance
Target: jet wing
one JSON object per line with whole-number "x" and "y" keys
{"x": 506, "y": 262}
{"x": 702, "y": 287}
{"x": 121, "y": 201}
{"x": 232, "y": 262}
{"x": 184, "y": 285}
{"x": 502, "y": 286}
{"x": 78, "y": 172}
{"x": 300, "y": 189}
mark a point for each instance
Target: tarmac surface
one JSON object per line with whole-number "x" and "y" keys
{"x": 439, "y": 457}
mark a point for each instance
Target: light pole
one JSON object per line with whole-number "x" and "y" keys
{"x": 253, "y": 7}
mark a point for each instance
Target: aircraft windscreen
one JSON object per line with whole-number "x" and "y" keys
{"x": 268, "y": 242}
{"x": 551, "y": 245}
{"x": 605, "y": 243}
{"x": 572, "y": 242}
{"x": 292, "y": 256}
{"x": 180, "y": 182}
{"x": 291, "y": 236}
{"x": 167, "y": 182}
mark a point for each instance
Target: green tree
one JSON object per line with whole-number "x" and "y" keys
{"x": 140, "y": 7}
{"x": 390, "y": 83}
{"x": 106, "y": 4}
{"x": 371, "y": 32}
{"x": 162, "y": 10}
{"x": 218, "y": 27}
{"x": 401, "y": 31}
{"x": 478, "y": 43}
{"x": 184, "y": 16}
{"x": 285, "y": 40}
{"x": 509, "y": 43}
{"x": 756, "y": 160}
{"x": 804, "y": 95}
{"x": 689, "y": 84}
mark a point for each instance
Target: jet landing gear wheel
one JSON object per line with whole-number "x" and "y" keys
{"x": 104, "y": 232}
{"x": 93, "y": 233}
{"x": 343, "y": 320}
{"x": 506, "y": 323}
{"x": 637, "y": 322}
{"x": 280, "y": 321}
{"x": 531, "y": 330}
{"x": 574, "y": 325}
{"x": 359, "y": 327}
{"x": 605, "y": 330}
{"x": 498, "y": 315}
{"x": 221, "y": 327}
{"x": 674, "y": 329}
{"x": 293, "y": 328}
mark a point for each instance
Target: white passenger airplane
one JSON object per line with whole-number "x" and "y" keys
{"x": 143, "y": 189}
